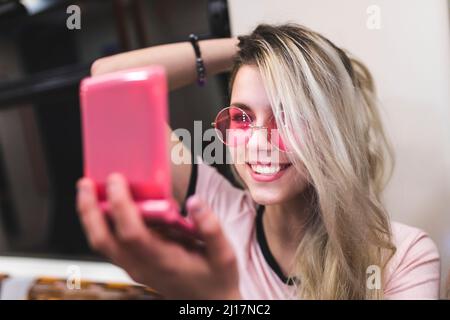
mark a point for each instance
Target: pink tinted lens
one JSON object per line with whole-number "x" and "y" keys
{"x": 233, "y": 126}
{"x": 275, "y": 137}
{"x": 277, "y": 141}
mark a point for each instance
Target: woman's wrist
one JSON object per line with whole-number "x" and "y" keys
{"x": 234, "y": 295}
{"x": 218, "y": 54}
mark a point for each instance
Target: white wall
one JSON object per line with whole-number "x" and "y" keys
{"x": 409, "y": 58}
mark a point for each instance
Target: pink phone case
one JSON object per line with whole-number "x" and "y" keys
{"x": 124, "y": 116}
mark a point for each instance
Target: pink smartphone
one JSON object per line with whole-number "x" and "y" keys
{"x": 124, "y": 116}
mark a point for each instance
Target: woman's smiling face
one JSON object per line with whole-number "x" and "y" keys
{"x": 266, "y": 171}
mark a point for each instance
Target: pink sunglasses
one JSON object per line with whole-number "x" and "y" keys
{"x": 235, "y": 127}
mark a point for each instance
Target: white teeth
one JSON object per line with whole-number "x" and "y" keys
{"x": 262, "y": 169}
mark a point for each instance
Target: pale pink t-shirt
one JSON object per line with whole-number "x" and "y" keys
{"x": 412, "y": 273}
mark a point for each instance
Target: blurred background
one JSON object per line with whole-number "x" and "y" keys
{"x": 405, "y": 44}
{"x": 41, "y": 65}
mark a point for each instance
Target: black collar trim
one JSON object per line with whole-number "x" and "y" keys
{"x": 262, "y": 241}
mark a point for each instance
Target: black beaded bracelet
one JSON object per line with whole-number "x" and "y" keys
{"x": 201, "y": 70}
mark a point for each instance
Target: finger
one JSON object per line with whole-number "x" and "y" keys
{"x": 93, "y": 220}
{"x": 218, "y": 250}
{"x": 98, "y": 232}
{"x": 128, "y": 221}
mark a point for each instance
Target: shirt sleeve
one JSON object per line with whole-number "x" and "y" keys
{"x": 415, "y": 269}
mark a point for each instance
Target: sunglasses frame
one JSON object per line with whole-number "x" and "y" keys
{"x": 251, "y": 126}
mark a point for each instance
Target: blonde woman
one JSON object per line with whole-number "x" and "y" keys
{"x": 310, "y": 222}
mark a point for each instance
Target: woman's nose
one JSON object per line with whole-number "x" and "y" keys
{"x": 259, "y": 140}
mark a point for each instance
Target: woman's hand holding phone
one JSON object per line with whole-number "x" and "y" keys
{"x": 168, "y": 266}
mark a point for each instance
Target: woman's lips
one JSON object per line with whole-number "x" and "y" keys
{"x": 267, "y": 172}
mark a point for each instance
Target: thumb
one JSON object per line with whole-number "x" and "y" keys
{"x": 218, "y": 250}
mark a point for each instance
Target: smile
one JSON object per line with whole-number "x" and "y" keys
{"x": 267, "y": 172}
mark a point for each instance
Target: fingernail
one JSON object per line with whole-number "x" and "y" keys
{"x": 82, "y": 191}
{"x": 195, "y": 206}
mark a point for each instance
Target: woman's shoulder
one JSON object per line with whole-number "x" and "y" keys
{"x": 414, "y": 269}
{"x": 408, "y": 238}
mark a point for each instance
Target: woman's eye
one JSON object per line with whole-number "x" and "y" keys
{"x": 239, "y": 118}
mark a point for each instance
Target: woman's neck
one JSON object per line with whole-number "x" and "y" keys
{"x": 284, "y": 226}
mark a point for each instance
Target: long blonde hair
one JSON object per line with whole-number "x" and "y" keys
{"x": 325, "y": 107}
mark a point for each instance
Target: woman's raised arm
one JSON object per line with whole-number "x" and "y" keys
{"x": 177, "y": 58}
{"x": 180, "y": 64}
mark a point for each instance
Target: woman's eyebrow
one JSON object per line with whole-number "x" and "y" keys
{"x": 241, "y": 105}
{"x": 247, "y": 108}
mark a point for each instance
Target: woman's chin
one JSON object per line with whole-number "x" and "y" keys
{"x": 266, "y": 197}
